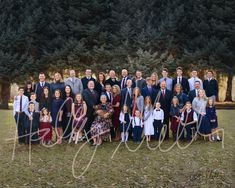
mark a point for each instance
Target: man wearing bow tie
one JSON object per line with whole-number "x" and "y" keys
{"x": 40, "y": 85}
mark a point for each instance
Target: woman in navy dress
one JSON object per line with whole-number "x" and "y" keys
{"x": 28, "y": 89}
{"x": 199, "y": 106}
{"x": 56, "y": 114}
{"x": 67, "y": 112}
{"x": 45, "y": 100}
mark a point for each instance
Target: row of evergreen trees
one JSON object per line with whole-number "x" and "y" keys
{"x": 52, "y": 35}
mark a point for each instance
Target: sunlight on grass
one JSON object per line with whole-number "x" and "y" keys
{"x": 203, "y": 164}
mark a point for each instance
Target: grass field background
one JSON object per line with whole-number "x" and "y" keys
{"x": 202, "y": 164}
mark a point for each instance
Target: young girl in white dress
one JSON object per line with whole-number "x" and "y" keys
{"x": 148, "y": 118}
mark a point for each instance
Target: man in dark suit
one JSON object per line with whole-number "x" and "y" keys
{"x": 87, "y": 78}
{"x": 40, "y": 85}
{"x": 126, "y": 95}
{"x": 193, "y": 93}
{"x": 149, "y": 90}
{"x": 108, "y": 92}
{"x": 124, "y": 79}
{"x": 138, "y": 81}
{"x": 91, "y": 97}
{"x": 181, "y": 80}
{"x": 112, "y": 79}
{"x": 210, "y": 85}
{"x": 164, "y": 96}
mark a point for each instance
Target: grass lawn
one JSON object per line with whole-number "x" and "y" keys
{"x": 202, "y": 164}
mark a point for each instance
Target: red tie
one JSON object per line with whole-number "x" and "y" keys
{"x": 163, "y": 93}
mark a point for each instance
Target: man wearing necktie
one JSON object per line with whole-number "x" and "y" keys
{"x": 108, "y": 92}
{"x": 149, "y": 90}
{"x": 164, "y": 97}
{"x": 40, "y": 85}
{"x": 181, "y": 80}
{"x": 125, "y": 77}
{"x": 193, "y": 93}
{"x": 126, "y": 95}
{"x": 166, "y": 79}
{"x": 91, "y": 97}
{"x": 20, "y": 109}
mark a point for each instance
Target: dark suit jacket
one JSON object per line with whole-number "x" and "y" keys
{"x": 112, "y": 83}
{"x": 184, "y": 84}
{"x": 211, "y": 87}
{"x": 91, "y": 100}
{"x": 39, "y": 90}
{"x": 153, "y": 94}
{"x": 165, "y": 102}
{"x": 85, "y": 82}
{"x": 192, "y": 95}
{"x": 128, "y": 78}
{"x": 104, "y": 93}
{"x": 126, "y": 99}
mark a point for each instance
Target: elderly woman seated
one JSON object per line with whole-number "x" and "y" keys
{"x": 100, "y": 129}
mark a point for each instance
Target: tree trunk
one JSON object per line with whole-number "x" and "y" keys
{"x": 5, "y": 95}
{"x": 229, "y": 87}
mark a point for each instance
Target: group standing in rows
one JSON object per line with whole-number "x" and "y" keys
{"x": 110, "y": 109}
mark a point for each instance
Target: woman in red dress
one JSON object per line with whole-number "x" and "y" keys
{"x": 117, "y": 109}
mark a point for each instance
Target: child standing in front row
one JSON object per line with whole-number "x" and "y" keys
{"x": 137, "y": 124}
{"x": 45, "y": 130}
{"x": 188, "y": 121}
{"x": 212, "y": 117}
{"x": 148, "y": 118}
{"x": 158, "y": 116}
{"x": 124, "y": 119}
{"x": 32, "y": 124}
{"x": 175, "y": 116}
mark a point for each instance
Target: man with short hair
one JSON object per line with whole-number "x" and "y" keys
{"x": 87, "y": 78}
{"x": 74, "y": 82}
{"x": 40, "y": 85}
{"x": 112, "y": 79}
{"x": 166, "y": 79}
{"x": 181, "y": 80}
{"x": 124, "y": 79}
{"x": 139, "y": 81}
{"x": 210, "y": 85}
{"x": 91, "y": 97}
{"x": 193, "y": 79}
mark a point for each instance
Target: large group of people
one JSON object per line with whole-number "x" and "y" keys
{"x": 129, "y": 108}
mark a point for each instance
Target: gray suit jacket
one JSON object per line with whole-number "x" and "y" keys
{"x": 76, "y": 86}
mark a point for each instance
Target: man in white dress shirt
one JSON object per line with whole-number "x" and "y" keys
{"x": 20, "y": 109}
{"x": 193, "y": 79}
{"x": 74, "y": 82}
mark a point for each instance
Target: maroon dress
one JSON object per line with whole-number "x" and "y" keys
{"x": 79, "y": 111}
{"x": 45, "y": 129}
{"x": 117, "y": 110}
